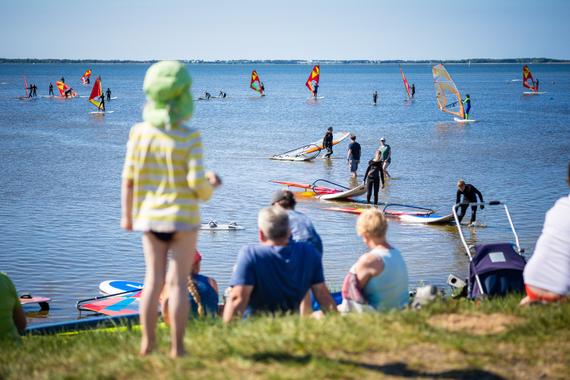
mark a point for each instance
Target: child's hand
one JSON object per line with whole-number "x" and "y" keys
{"x": 213, "y": 178}
{"x": 127, "y": 223}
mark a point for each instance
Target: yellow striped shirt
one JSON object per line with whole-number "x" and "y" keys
{"x": 168, "y": 174}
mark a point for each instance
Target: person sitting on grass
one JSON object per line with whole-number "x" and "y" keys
{"x": 547, "y": 274}
{"x": 379, "y": 278}
{"x": 12, "y": 317}
{"x": 275, "y": 275}
{"x": 203, "y": 291}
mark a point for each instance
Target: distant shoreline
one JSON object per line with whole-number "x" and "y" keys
{"x": 474, "y": 61}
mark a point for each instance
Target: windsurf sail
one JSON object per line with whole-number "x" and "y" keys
{"x": 528, "y": 80}
{"x": 309, "y": 151}
{"x": 447, "y": 94}
{"x": 406, "y": 84}
{"x": 255, "y": 83}
{"x": 313, "y": 79}
{"x": 85, "y": 77}
{"x": 63, "y": 88}
{"x": 96, "y": 93}
{"x": 26, "y": 87}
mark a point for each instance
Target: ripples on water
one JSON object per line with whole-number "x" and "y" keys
{"x": 60, "y": 189}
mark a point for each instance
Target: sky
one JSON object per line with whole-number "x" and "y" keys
{"x": 287, "y": 29}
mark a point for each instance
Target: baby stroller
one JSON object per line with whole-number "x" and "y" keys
{"x": 495, "y": 269}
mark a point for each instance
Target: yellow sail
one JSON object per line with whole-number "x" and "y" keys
{"x": 447, "y": 94}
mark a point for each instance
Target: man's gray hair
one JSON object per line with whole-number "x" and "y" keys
{"x": 273, "y": 222}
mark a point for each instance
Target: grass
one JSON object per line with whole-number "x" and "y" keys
{"x": 449, "y": 339}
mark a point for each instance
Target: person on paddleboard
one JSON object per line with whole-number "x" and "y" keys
{"x": 51, "y": 90}
{"x": 328, "y": 142}
{"x": 470, "y": 194}
{"x": 375, "y": 97}
{"x": 413, "y": 90}
{"x": 467, "y": 106}
{"x": 108, "y": 92}
{"x": 373, "y": 176}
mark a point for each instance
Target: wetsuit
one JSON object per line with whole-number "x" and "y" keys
{"x": 101, "y": 103}
{"x": 328, "y": 143}
{"x": 375, "y": 97}
{"x": 536, "y": 85}
{"x": 413, "y": 90}
{"x": 31, "y": 92}
{"x": 208, "y": 96}
{"x": 315, "y": 90}
{"x": 374, "y": 174}
{"x": 470, "y": 194}
{"x": 262, "y": 88}
{"x": 51, "y": 89}
{"x": 467, "y": 105}
{"x": 108, "y": 94}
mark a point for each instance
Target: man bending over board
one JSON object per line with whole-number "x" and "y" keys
{"x": 470, "y": 194}
{"x": 275, "y": 275}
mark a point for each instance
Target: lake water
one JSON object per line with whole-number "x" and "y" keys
{"x": 60, "y": 165}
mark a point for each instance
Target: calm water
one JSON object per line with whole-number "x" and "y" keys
{"x": 60, "y": 166}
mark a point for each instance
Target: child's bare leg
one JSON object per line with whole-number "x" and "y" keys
{"x": 155, "y": 253}
{"x": 182, "y": 249}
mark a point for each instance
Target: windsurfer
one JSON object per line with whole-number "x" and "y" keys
{"x": 375, "y": 97}
{"x": 328, "y": 141}
{"x": 470, "y": 194}
{"x": 222, "y": 94}
{"x": 413, "y": 90}
{"x": 30, "y": 90}
{"x": 108, "y": 94}
{"x": 536, "y": 85}
{"x": 35, "y": 90}
{"x": 262, "y": 86}
{"x": 101, "y": 106}
{"x": 51, "y": 89}
{"x": 67, "y": 92}
{"x": 373, "y": 176}
{"x": 467, "y": 105}
{"x": 315, "y": 89}
{"x": 207, "y": 95}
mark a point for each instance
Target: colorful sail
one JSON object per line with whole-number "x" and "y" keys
{"x": 63, "y": 88}
{"x": 26, "y": 87}
{"x": 96, "y": 93}
{"x": 313, "y": 79}
{"x": 255, "y": 84}
{"x": 447, "y": 94}
{"x": 528, "y": 80}
{"x": 406, "y": 84}
{"x": 85, "y": 77}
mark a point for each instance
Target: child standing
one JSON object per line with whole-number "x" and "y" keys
{"x": 163, "y": 181}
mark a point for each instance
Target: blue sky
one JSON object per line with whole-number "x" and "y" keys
{"x": 288, "y": 29}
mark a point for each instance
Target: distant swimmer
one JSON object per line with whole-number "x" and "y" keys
{"x": 413, "y": 90}
{"x": 467, "y": 106}
{"x": 328, "y": 142}
{"x": 108, "y": 94}
{"x": 470, "y": 194}
{"x": 315, "y": 89}
{"x": 51, "y": 89}
{"x": 101, "y": 106}
{"x": 375, "y": 97}
{"x": 373, "y": 176}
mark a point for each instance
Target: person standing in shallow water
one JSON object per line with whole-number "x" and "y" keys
{"x": 163, "y": 182}
{"x": 328, "y": 142}
{"x": 375, "y": 97}
{"x": 386, "y": 155}
{"x": 51, "y": 89}
{"x": 373, "y": 176}
{"x": 353, "y": 155}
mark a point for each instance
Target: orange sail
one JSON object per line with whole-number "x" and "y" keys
{"x": 255, "y": 83}
{"x": 406, "y": 84}
{"x": 63, "y": 88}
{"x": 448, "y": 96}
{"x": 528, "y": 80}
{"x": 96, "y": 93}
{"x": 313, "y": 79}
{"x": 86, "y": 76}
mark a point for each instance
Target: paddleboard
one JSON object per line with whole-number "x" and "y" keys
{"x": 463, "y": 121}
{"x": 213, "y": 226}
{"x": 317, "y": 98}
{"x": 26, "y": 299}
{"x": 291, "y": 158}
{"x": 114, "y": 286}
{"x": 113, "y": 306}
{"x": 100, "y": 112}
{"x": 534, "y": 93}
{"x": 427, "y": 219}
{"x": 354, "y": 192}
{"x": 114, "y": 97}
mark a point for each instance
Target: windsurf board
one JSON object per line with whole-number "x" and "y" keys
{"x": 464, "y": 121}
{"x": 115, "y": 286}
{"x": 427, "y": 219}
{"x": 354, "y": 192}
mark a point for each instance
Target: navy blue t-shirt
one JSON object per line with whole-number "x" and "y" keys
{"x": 354, "y": 147}
{"x": 280, "y": 276}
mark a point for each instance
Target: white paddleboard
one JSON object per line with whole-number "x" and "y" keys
{"x": 290, "y": 158}
{"x": 464, "y": 121}
{"x": 114, "y": 97}
{"x": 100, "y": 112}
{"x": 427, "y": 219}
{"x": 317, "y": 98}
{"x": 114, "y": 286}
{"x": 354, "y": 192}
{"x": 213, "y": 226}
{"x": 534, "y": 93}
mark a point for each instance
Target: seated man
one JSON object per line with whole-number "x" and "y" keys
{"x": 203, "y": 293}
{"x": 274, "y": 275}
{"x": 12, "y": 317}
{"x": 379, "y": 278}
{"x": 547, "y": 274}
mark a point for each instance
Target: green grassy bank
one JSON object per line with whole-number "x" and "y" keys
{"x": 449, "y": 339}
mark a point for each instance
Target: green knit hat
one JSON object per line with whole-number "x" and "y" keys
{"x": 167, "y": 88}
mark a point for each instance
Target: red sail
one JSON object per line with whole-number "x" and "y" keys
{"x": 313, "y": 78}
{"x": 96, "y": 93}
{"x": 527, "y": 77}
{"x": 255, "y": 82}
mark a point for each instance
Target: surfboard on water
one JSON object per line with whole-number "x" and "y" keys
{"x": 534, "y": 92}
{"x": 100, "y": 112}
{"x": 354, "y": 192}
{"x": 427, "y": 219}
{"x": 214, "y": 226}
{"x": 317, "y": 98}
{"x": 119, "y": 286}
{"x": 464, "y": 121}
{"x": 114, "y": 97}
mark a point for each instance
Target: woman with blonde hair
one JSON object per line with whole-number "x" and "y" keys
{"x": 163, "y": 182}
